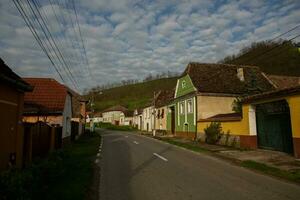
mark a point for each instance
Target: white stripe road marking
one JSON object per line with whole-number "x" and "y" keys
{"x": 159, "y": 156}
{"x": 135, "y": 142}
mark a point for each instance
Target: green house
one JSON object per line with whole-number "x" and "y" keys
{"x": 206, "y": 90}
{"x": 182, "y": 111}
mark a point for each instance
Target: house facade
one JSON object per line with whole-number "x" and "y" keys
{"x": 12, "y": 89}
{"x": 138, "y": 118}
{"x": 161, "y": 108}
{"x": 50, "y": 102}
{"x": 78, "y": 111}
{"x": 114, "y": 115}
{"x": 126, "y": 118}
{"x": 148, "y": 118}
{"x": 269, "y": 120}
{"x": 206, "y": 90}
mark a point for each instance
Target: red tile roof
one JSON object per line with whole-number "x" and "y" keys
{"x": 273, "y": 94}
{"x": 115, "y": 108}
{"x": 223, "y": 117}
{"x": 222, "y": 78}
{"x": 284, "y": 81}
{"x": 47, "y": 93}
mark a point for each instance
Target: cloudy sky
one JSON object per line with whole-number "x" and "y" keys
{"x": 128, "y": 39}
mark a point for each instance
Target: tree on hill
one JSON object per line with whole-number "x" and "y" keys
{"x": 273, "y": 57}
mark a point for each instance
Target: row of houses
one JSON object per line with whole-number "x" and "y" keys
{"x": 37, "y": 116}
{"x": 269, "y": 115}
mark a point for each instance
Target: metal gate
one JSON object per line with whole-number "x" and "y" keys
{"x": 274, "y": 126}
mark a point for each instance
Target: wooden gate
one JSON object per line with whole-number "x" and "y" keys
{"x": 274, "y": 126}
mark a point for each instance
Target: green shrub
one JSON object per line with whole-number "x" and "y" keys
{"x": 213, "y": 132}
{"x": 114, "y": 127}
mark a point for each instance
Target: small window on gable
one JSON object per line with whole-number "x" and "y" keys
{"x": 183, "y": 84}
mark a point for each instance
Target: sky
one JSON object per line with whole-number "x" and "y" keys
{"x": 129, "y": 39}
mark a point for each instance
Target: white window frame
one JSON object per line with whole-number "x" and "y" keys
{"x": 190, "y": 108}
{"x": 181, "y": 107}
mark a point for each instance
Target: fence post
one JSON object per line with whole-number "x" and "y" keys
{"x": 52, "y": 138}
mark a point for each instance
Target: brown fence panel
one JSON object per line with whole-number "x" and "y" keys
{"x": 27, "y": 144}
{"x": 58, "y": 137}
{"x": 74, "y": 130}
{"x": 41, "y": 138}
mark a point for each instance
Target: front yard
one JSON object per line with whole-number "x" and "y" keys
{"x": 65, "y": 174}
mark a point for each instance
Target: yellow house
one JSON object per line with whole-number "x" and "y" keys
{"x": 270, "y": 120}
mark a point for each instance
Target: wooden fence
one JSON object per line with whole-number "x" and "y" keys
{"x": 39, "y": 140}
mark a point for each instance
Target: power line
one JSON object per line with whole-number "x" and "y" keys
{"x": 53, "y": 44}
{"x": 59, "y": 42}
{"x": 36, "y": 36}
{"x": 288, "y": 31}
{"x": 275, "y": 47}
{"x": 63, "y": 21}
{"x": 87, "y": 62}
{"x": 67, "y": 4}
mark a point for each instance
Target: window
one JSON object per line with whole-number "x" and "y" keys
{"x": 182, "y": 108}
{"x": 158, "y": 114}
{"x": 162, "y": 113}
{"x": 189, "y": 106}
{"x": 183, "y": 84}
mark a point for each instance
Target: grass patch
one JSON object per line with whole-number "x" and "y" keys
{"x": 114, "y": 127}
{"x": 289, "y": 175}
{"x": 65, "y": 174}
{"x": 190, "y": 146}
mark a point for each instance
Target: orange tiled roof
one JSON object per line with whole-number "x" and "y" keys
{"x": 47, "y": 93}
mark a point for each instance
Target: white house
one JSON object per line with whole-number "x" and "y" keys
{"x": 114, "y": 115}
{"x": 97, "y": 117}
{"x": 49, "y": 102}
{"x": 126, "y": 118}
{"x": 148, "y": 119}
{"x": 138, "y": 118}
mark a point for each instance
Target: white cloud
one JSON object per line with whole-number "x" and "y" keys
{"x": 130, "y": 38}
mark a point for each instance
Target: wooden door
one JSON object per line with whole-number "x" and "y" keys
{"x": 274, "y": 126}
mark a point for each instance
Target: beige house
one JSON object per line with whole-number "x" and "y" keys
{"x": 138, "y": 118}
{"x": 126, "y": 118}
{"x": 161, "y": 101}
{"x": 148, "y": 118}
{"x": 114, "y": 115}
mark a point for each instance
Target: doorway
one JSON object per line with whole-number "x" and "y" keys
{"x": 274, "y": 126}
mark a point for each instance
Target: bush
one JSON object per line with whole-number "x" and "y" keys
{"x": 213, "y": 132}
{"x": 31, "y": 182}
{"x": 115, "y": 127}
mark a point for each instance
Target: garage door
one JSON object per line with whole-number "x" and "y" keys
{"x": 274, "y": 126}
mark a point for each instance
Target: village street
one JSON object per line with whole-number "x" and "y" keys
{"x": 137, "y": 167}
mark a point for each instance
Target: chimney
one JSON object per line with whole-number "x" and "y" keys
{"x": 240, "y": 74}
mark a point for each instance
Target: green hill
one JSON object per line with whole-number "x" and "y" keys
{"x": 132, "y": 96}
{"x": 278, "y": 58}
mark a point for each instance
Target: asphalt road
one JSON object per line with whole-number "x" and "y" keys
{"x": 141, "y": 168}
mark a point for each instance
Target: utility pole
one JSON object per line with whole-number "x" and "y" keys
{"x": 154, "y": 113}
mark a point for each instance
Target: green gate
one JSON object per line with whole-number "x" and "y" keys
{"x": 274, "y": 126}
